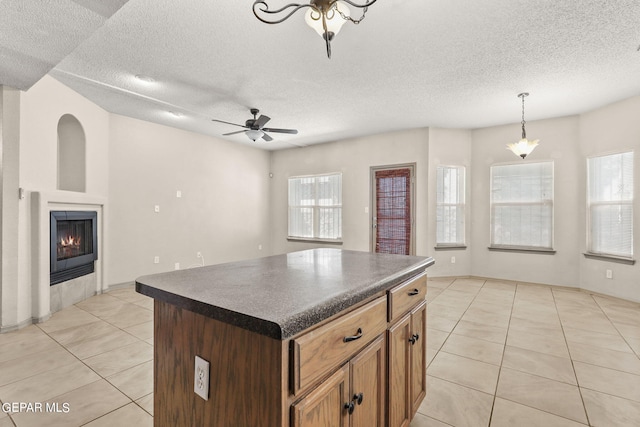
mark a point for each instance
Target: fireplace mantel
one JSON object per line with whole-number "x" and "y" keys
{"x": 42, "y": 203}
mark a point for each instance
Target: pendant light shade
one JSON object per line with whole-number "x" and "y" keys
{"x": 524, "y": 147}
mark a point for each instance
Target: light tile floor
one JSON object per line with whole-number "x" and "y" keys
{"x": 499, "y": 353}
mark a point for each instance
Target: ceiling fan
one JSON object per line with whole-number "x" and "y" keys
{"x": 255, "y": 127}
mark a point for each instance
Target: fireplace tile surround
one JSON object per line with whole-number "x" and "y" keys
{"x": 46, "y": 298}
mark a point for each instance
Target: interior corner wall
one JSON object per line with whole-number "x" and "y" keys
{"x": 10, "y": 295}
{"x": 353, "y": 158}
{"x": 612, "y": 129}
{"x": 222, "y": 211}
{"x": 449, "y": 147}
{"x": 559, "y": 142}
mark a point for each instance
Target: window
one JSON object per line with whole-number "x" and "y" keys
{"x": 450, "y": 200}
{"x": 610, "y": 205}
{"x": 315, "y": 207}
{"x": 522, "y": 206}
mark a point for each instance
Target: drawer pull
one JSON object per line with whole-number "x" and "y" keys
{"x": 414, "y": 292}
{"x": 414, "y": 338}
{"x": 349, "y": 406}
{"x": 358, "y": 398}
{"x": 353, "y": 337}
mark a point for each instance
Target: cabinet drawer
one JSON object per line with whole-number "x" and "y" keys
{"x": 403, "y": 297}
{"x": 323, "y": 349}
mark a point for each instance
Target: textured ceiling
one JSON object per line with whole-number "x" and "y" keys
{"x": 410, "y": 63}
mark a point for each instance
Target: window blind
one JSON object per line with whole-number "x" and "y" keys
{"x": 611, "y": 204}
{"x": 522, "y": 206}
{"x": 450, "y": 205}
{"x": 315, "y": 207}
{"x": 393, "y": 211}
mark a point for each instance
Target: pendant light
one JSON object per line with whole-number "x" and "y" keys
{"x": 524, "y": 147}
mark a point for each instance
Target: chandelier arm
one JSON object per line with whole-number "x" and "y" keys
{"x": 361, "y": 6}
{"x": 326, "y": 35}
{"x": 265, "y": 9}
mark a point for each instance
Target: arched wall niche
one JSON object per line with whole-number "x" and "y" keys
{"x": 72, "y": 158}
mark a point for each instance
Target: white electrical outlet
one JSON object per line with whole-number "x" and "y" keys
{"x": 259, "y": 247}
{"x": 199, "y": 255}
{"x": 609, "y": 274}
{"x": 178, "y": 194}
{"x": 201, "y": 378}
{"x": 156, "y": 260}
{"x": 156, "y": 208}
{"x": 453, "y": 260}
{"x": 176, "y": 266}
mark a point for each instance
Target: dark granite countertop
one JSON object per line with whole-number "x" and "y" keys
{"x": 281, "y": 295}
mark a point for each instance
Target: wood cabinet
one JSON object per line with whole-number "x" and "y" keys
{"x": 407, "y": 359}
{"x": 351, "y": 397}
{"x": 363, "y": 367}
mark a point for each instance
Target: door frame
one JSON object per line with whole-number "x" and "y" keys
{"x": 373, "y": 204}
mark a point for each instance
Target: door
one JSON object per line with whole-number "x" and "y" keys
{"x": 368, "y": 384}
{"x": 392, "y": 200}
{"x": 325, "y": 406}
{"x": 418, "y": 388}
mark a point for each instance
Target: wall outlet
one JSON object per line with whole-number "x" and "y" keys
{"x": 259, "y": 247}
{"x": 156, "y": 260}
{"x": 156, "y": 208}
{"x": 198, "y": 254}
{"x": 201, "y": 378}
{"x": 176, "y": 266}
{"x": 178, "y": 194}
{"x": 453, "y": 260}
{"x": 609, "y": 274}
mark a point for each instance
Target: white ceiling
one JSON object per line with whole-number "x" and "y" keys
{"x": 410, "y": 63}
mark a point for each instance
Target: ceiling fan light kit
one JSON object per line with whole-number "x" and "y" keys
{"x": 255, "y": 127}
{"x": 326, "y": 17}
{"x": 525, "y": 146}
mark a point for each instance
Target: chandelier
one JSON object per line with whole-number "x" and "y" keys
{"x": 524, "y": 147}
{"x": 326, "y": 17}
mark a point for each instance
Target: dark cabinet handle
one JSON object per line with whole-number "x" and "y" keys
{"x": 353, "y": 337}
{"x": 414, "y": 292}
{"x": 414, "y": 338}
{"x": 358, "y": 398}
{"x": 349, "y": 406}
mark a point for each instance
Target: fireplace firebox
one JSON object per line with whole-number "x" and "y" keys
{"x": 74, "y": 244}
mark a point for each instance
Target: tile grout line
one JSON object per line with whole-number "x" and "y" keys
{"x": 504, "y": 349}
{"x": 584, "y": 406}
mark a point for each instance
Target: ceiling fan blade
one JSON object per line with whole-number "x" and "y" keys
{"x": 229, "y": 123}
{"x": 267, "y": 138}
{"x": 292, "y": 131}
{"x": 261, "y": 121}
{"x": 233, "y": 133}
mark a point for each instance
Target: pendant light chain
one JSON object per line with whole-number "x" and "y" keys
{"x": 524, "y": 132}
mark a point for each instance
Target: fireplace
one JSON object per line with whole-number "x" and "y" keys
{"x": 74, "y": 244}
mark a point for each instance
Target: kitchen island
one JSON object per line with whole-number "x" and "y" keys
{"x": 322, "y": 337}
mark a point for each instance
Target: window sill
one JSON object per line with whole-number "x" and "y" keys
{"x": 314, "y": 240}
{"x": 522, "y": 250}
{"x": 450, "y": 247}
{"x": 610, "y": 258}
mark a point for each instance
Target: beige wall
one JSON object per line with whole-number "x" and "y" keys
{"x": 558, "y": 143}
{"x": 611, "y": 129}
{"x": 353, "y": 158}
{"x": 223, "y": 211}
{"x": 230, "y": 206}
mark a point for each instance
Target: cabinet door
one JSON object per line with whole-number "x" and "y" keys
{"x": 399, "y": 373}
{"x": 325, "y": 405}
{"x": 418, "y": 348}
{"x": 368, "y": 384}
